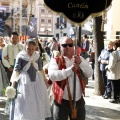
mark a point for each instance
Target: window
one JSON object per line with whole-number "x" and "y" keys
{"x": 42, "y": 29}
{"x": 57, "y": 35}
{"x": 61, "y": 19}
{"x": 118, "y": 35}
{"x": 104, "y": 34}
{"x": 49, "y": 21}
{"x": 42, "y": 10}
{"x": 65, "y": 24}
{"x": 42, "y": 20}
{"x": 24, "y": 11}
{"x": 64, "y": 34}
{"x": 57, "y": 24}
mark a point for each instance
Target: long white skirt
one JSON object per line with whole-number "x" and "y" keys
{"x": 32, "y": 103}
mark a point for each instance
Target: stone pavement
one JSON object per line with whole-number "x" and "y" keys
{"x": 97, "y": 108}
{"x": 3, "y": 116}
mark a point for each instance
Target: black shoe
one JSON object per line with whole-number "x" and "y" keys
{"x": 119, "y": 101}
{"x": 106, "y": 97}
{"x": 114, "y": 101}
{"x": 103, "y": 95}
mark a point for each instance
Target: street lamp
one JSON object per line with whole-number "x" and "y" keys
{"x": 61, "y": 28}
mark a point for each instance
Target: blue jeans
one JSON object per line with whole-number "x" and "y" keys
{"x": 107, "y": 84}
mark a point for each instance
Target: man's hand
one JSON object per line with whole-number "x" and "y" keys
{"x": 76, "y": 63}
{"x": 75, "y": 67}
{"x": 10, "y": 69}
{"x": 77, "y": 59}
{"x": 6, "y": 57}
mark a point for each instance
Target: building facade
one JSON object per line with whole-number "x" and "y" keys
{"x": 112, "y": 27}
{"x": 45, "y": 24}
{"x": 20, "y": 14}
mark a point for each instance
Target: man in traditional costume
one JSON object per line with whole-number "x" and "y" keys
{"x": 61, "y": 73}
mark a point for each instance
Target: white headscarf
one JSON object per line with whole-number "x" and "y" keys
{"x": 31, "y": 59}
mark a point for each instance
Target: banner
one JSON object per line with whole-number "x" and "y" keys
{"x": 78, "y": 11}
{"x": 32, "y": 28}
{"x": 3, "y": 17}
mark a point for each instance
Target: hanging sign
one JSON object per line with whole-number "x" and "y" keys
{"x": 77, "y": 11}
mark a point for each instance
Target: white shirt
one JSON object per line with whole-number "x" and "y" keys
{"x": 14, "y": 49}
{"x": 58, "y": 75}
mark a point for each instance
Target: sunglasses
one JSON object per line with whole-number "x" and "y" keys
{"x": 65, "y": 45}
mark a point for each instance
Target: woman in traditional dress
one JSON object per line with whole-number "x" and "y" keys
{"x": 32, "y": 102}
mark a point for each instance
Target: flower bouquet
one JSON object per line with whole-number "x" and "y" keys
{"x": 10, "y": 92}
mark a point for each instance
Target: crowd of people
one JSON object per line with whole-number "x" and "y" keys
{"x": 21, "y": 66}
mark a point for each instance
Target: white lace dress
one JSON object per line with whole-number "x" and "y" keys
{"x": 32, "y": 103}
